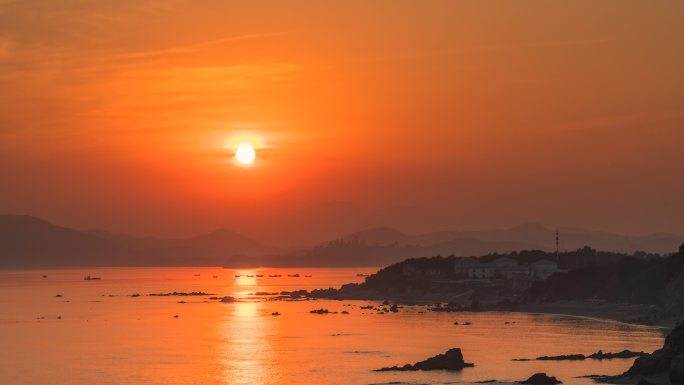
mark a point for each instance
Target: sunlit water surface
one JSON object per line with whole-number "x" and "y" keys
{"x": 105, "y": 336}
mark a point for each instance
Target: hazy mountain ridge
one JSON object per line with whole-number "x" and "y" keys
{"x": 27, "y": 241}
{"x": 530, "y": 235}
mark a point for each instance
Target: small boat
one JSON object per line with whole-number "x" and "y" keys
{"x": 89, "y": 278}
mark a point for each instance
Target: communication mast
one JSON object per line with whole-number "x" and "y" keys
{"x": 557, "y": 249}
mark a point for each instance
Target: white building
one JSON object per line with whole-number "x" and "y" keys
{"x": 482, "y": 270}
{"x": 543, "y": 268}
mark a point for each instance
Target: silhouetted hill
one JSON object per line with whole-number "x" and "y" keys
{"x": 31, "y": 242}
{"x": 219, "y": 242}
{"x": 529, "y": 236}
{"x": 356, "y": 252}
{"x": 380, "y": 236}
{"x": 329, "y": 220}
{"x": 462, "y": 247}
{"x": 27, "y": 241}
{"x": 657, "y": 281}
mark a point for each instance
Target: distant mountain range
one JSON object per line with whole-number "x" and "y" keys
{"x": 529, "y": 235}
{"x": 27, "y": 241}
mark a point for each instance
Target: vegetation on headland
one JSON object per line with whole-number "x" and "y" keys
{"x": 654, "y": 281}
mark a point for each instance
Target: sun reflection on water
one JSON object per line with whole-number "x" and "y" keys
{"x": 245, "y": 278}
{"x": 248, "y": 351}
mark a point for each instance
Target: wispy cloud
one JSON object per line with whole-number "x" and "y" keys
{"x": 190, "y": 48}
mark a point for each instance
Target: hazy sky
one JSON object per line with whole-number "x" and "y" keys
{"x": 124, "y": 114}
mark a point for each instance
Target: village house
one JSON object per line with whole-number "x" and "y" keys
{"x": 543, "y": 268}
{"x": 482, "y": 270}
{"x": 504, "y": 267}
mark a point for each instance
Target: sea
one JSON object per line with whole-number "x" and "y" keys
{"x": 57, "y": 328}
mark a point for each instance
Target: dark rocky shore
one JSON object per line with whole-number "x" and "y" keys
{"x": 600, "y": 355}
{"x": 451, "y": 360}
{"x": 665, "y": 364}
{"x": 633, "y": 290}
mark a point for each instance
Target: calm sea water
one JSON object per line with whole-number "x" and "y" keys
{"x": 105, "y": 336}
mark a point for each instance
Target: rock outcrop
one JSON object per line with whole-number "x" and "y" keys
{"x": 677, "y": 369}
{"x": 451, "y": 360}
{"x": 668, "y": 360}
{"x": 541, "y": 379}
{"x": 644, "y": 381}
{"x": 600, "y": 355}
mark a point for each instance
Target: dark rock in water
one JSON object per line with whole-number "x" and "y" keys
{"x": 677, "y": 369}
{"x": 179, "y": 294}
{"x": 661, "y": 359}
{"x": 275, "y": 313}
{"x": 567, "y": 357}
{"x": 319, "y": 311}
{"x": 451, "y": 360}
{"x": 600, "y": 355}
{"x": 541, "y": 379}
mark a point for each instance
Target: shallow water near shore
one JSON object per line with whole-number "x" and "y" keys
{"x": 105, "y": 336}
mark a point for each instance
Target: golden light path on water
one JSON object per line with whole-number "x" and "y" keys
{"x": 106, "y": 336}
{"x": 246, "y": 339}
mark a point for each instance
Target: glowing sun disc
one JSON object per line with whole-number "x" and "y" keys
{"x": 245, "y": 153}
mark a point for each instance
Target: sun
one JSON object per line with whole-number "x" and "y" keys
{"x": 245, "y": 153}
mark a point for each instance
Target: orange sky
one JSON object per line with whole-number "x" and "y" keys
{"x": 118, "y": 114}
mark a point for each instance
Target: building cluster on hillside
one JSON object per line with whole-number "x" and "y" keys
{"x": 503, "y": 268}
